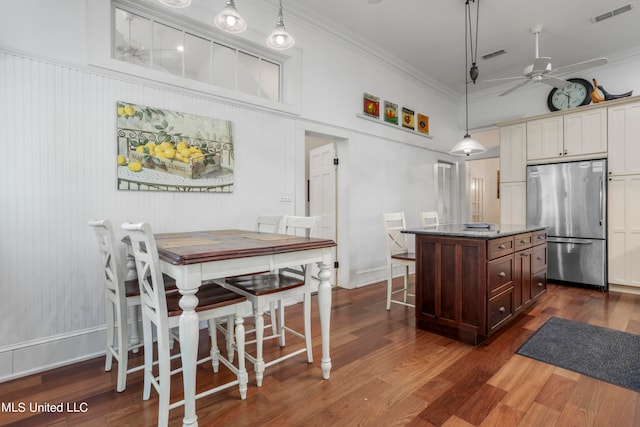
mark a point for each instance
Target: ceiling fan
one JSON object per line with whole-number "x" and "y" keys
{"x": 542, "y": 71}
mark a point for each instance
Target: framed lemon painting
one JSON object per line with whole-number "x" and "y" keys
{"x": 163, "y": 150}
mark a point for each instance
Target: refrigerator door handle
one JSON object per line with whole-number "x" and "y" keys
{"x": 601, "y": 199}
{"x": 569, "y": 241}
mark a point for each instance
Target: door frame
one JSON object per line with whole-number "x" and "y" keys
{"x": 340, "y": 137}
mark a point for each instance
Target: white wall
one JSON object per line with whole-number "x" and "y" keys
{"x": 57, "y": 124}
{"x": 57, "y": 121}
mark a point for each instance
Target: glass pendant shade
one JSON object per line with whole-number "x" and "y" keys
{"x": 175, "y": 3}
{"x": 467, "y": 147}
{"x": 279, "y": 38}
{"x": 229, "y": 19}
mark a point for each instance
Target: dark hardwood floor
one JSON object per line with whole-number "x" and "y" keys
{"x": 385, "y": 373}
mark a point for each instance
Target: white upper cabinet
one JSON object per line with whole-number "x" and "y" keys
{"x": 544, "y": 138}
{"x": 624, "y": 140}
{"x": 573, "y": 135}
{"x": 585, "y": 133}
{"x": 513, "y": 158}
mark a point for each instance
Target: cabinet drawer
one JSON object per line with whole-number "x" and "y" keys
{"x": 500, "y": 274}
{"x": 500, "y": 247}
{"x": 523, "y": 241}
{"x": 500, "y": 309}
{"x": 538, "y": 283}
{"x": 539, "y": 237}
{"x": 539, "y": 257}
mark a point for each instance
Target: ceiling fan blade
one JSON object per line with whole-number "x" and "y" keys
{"x": 580, "y": 66}
{"x": 500, "y": 79}
{"x": 555, "y": 82}
{"x": 518, "y": 86}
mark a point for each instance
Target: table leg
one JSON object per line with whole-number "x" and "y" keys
{"x": 189, "y": 352}
{"x": 324, "y": 306}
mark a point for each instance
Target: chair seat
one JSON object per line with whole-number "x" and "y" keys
{"x": 263, "y": 284}
{"x": 209, "y": 297}
{"x": 407, "y": 256}
{"x": 132, "y": 288}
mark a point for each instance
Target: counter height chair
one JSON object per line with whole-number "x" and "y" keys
{"x": 397, "y": 254}
{"x": 430, "y": 219}
{"x": 163, "y": 311}
{"x": 263, "y": 290}
{"x": 120, "y": 295}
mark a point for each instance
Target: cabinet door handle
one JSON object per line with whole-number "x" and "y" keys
{"x": 502, "y": 247}
{"x": 539, "y": 237}
{"x": 524, "y": 254}
{"x": 540, "y": 285}
{"x": 502, "y": 309}
{"x": 502, "y": 274}
{"x": 539, "y": 258}
{"x": 523, "y": 241}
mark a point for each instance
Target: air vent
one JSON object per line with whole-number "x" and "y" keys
{"x": 494, "y": 54}
{"x": 612, "y": 13}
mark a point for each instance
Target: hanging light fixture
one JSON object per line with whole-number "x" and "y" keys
{"x": 175, "y": 3}
{"x": 280, "y": 39}
{"x": 230, "y": 20}
{"x": 468, "y": 145}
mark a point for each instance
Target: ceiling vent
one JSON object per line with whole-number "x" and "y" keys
{"x": 614, "y": 12}
{"x": 494, "y": 54}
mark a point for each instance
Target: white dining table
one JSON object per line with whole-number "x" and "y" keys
{"x": 194, "y": 257}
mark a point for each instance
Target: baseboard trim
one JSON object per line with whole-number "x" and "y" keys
{"x": 40, "y": 355}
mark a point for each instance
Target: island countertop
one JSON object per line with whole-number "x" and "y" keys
{"x": 461, "y": 230}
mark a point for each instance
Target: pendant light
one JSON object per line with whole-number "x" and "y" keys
{"x": 229, "y": 19}
{"x": 176, "y": 3}
{"x": 469, "y": 146}
{"x": 280, "y": 39}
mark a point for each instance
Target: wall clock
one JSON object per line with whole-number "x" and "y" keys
{"x": 577, "y": 93}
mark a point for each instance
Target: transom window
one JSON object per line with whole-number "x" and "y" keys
{"x": 145, "y": 41}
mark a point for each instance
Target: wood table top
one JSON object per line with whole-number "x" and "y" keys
{"x": 215, "y": 245}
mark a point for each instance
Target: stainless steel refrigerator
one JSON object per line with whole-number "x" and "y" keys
{"x": 570, "y": 199}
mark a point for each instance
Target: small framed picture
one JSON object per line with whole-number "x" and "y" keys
{"x": 408, "y": 118}
{"x": 423, "y": 123}
{"x": 371, "y": 106}
{"x": 390, "y": 112}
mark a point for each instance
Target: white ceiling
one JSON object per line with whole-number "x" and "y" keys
{"x": 427, "y": 36}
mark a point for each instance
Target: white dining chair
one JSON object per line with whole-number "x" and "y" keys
{"x": 163, "y": 311}
{"x": 121, "y": 297}
{"x": 263, "y": 290}
{"x": 430, "y": 219}
{"x": 398, "y": 254}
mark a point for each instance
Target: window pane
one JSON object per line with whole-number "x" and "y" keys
{"x": 197, "y": 58}
{"x": 167, "y": 49}
{"x": 270, "y": 80}
{"x": 132, "y": 38}
{"x": 248, "y": 73}
{"x": 224, "y": 66}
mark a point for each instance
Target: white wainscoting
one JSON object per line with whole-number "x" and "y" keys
{"x": 57, "y": 127}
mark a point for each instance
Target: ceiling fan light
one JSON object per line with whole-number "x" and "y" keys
{"x": 176, "y": 3}
{"x": 229, "y": 19}
{"x": 467, "y": 147}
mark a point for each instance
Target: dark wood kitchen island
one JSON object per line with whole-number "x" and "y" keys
{"x": 470, "y": 282}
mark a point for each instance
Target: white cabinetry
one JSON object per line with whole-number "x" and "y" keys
{"x": 624, "y": 144}
{"x": 624, "y": 196}
{"x": 544, "y": 138}
{"x": 624, "y": 233}
{"x": 513, "y": 158}
{"x": 585, "y": 133}
{"x": 513, "y": 203}
{"x": 572, "y": 135}
{"x": 513, "y": 164}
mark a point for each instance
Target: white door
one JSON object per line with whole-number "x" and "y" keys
{"x": 446, "y": 190}
{"x": 322, "y": 193}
